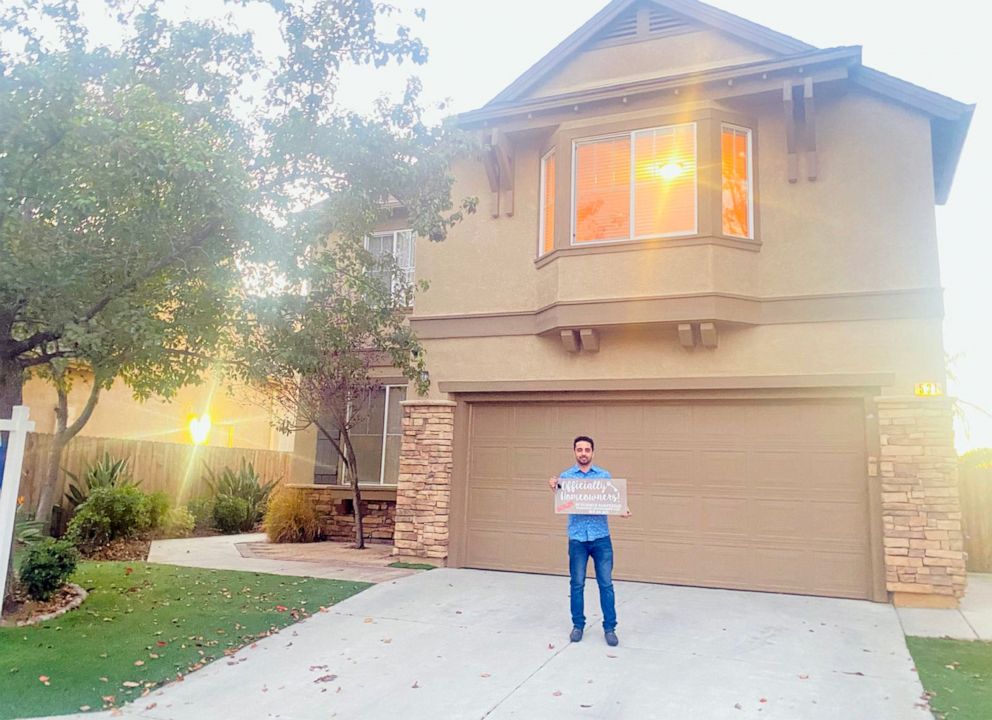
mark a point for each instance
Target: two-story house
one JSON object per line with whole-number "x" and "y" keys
{"x": 711, "y": 247}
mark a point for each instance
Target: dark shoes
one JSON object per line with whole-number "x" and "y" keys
{"x": 576, "y": 635}
{"x": 611, "y": 638}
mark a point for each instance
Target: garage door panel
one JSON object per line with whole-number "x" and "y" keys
{"x": 720, "y": 470}
{"x": 753, "y": 495}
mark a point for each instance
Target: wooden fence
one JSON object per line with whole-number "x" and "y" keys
{"x": 975, "y": 487}
{"x": 178, "y": 470}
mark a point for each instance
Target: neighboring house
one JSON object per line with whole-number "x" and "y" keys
{"x": 712, "y": 248}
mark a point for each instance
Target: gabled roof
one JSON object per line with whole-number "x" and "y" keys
{"x": 949, "y": 118}
{"x": 690, "y": 10}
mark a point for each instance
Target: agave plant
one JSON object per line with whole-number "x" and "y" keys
{"x": 105, "y": 472}
{"x": 244, "y": 483}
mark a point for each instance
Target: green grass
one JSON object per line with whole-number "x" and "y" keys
{"x": 412, "y": 566}
{"x": 142, "y": 625}
{"x": 958, "y": 674}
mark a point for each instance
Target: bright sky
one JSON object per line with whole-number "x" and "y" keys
{"x": 479, "y": 46}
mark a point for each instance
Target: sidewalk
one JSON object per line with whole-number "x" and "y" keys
{"x": 253, "y": 552}
{"x": 972, "y": 621}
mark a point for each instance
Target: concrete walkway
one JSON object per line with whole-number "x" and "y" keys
{"x": 252, "y": 552}
{"x": 476, "y": 644}
{"x": 972, "y": 621}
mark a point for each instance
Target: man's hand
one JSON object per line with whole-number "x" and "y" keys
{"x": 626, "y": 513}
{"x": 553, "y": 483}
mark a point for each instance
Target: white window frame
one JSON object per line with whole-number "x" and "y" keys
{"x": 409, "y": 270}
{"x": 342, "y": 471}
{"x": 633, "y": 169}
{"x": 750, "y": 180}
{"x": 543, "y": 208}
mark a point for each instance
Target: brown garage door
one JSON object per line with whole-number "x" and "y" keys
{"x": 754, "y": 495}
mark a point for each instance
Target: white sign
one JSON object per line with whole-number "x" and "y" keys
{"x": 591, "y": 496}
{"x": 18, "y": 427}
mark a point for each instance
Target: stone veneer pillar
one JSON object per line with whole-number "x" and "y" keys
{"x": 921, "y": 513}
{"x": 423, "y": 489}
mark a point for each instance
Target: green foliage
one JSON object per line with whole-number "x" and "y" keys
{"x": 105, "y": 472}
{"x": 27, "y": 530}
{"x": 178, "y": 522}
{"x": 202, "y": 509}
{"x": 157, "y": 505}
{"x": 232, "y": 515}
{"x": 47, "y": 566}
{"x": 109, "y": 513}
{"x": 291, "y": 518}
{"x": 979, "y": 457}
{"x": 245, "y": 484}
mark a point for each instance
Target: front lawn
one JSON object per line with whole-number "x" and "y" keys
{"x": 143, "y": 625}
{"x": 957, "y": 674}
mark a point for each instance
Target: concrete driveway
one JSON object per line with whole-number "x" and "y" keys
{"x": 475, "y": 644}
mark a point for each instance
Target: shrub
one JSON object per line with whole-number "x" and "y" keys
{"x": 245, "y": 484}
{"x": 202, "y": 510}
{"x": 178, "y": 522}
{"x": 109, "y": 513}
{"x": 105, "y": 472}
{"x": 232, "y": 515}
{"x": 46, "y": 567}
{"x": 157, "y": 504}
{"x": 291, "y": 518}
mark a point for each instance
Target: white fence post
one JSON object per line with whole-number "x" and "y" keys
{"x": 17, "y": 428}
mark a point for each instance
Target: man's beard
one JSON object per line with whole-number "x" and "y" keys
{"x": 585, "y": 461}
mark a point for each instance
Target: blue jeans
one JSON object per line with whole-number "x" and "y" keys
{"x": 601, "y": 551}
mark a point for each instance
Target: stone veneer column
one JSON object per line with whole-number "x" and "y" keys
{"x": 921, "y": 514}
{"x": 423, "y": 489}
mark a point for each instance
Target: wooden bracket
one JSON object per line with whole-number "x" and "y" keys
{"x": 811, "y": 160}
{"x": 686, "y": 335}
{"x": 790, "y": 132}
{"x": 498, "y": 160}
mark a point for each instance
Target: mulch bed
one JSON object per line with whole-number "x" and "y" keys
{"x": 134, "y": 549}
{"x": 19, "y": 609}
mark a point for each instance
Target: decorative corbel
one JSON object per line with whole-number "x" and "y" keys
{"x": 570, "y": 339}
{"x": 503, "y": 153}
{"x": 811, "y": 160}
{"x": 707, "y": 334}
{"x": 492, "y": 174}
{"x": 790, "y": 132}
{"x": 686, "y": 336}
{"x": 590, "y": 339}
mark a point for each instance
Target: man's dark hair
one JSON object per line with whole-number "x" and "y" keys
{"x": 583, "y": 438}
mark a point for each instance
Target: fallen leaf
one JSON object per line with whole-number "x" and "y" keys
{"x": 281, "y": 608}
{"x": 44, "y": 679}
{"x": 550, "y": 646}
{"x": 130, "y": 684}
{"x": 415, "y": 684}
{"x": 557, "y": 693}
{"x": 585, "y": 706}
{"x": 128, "y": 571}
{"x": 153, "y": 656}
{"x": 139, "y": 663}
{"x": 326, "y": 678}
{"x": 103, "y": 679}
{"x": 856, "y": 672}
{"x": 804, "y": 677}
{"x": 763, "y": 700}
{"x": 84, "y": 708}
{"x": 151, "y": 706}
{"x": 737, "y": 706}
{"x": 368, "y": 620}
{"x": 611, "y": 656}
{"x": 161, "y": 643}
{"x": 387, "y": 640}
{"x": 484, "y": 675}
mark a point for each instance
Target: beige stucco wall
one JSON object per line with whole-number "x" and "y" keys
{"x": 909, "y": 349}
{"x": 236, "y": 422}
{"x": 675, "y": 55}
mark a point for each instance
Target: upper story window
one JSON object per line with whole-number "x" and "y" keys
{"x": 635, "y": 185}
{"x": 661, "y": 183}
{"x": 398, "y": 244}
{"x": 735, "y": 163}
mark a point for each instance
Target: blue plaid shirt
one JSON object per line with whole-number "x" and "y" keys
{"x": 587, "y": 527}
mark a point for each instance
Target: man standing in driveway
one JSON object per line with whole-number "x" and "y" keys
{"x": 589, "y": 536}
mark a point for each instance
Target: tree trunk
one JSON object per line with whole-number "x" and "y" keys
{"x": 63, "y": 434}
{"x": 356, "y": 492}
{"x": 11, "y": 394}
